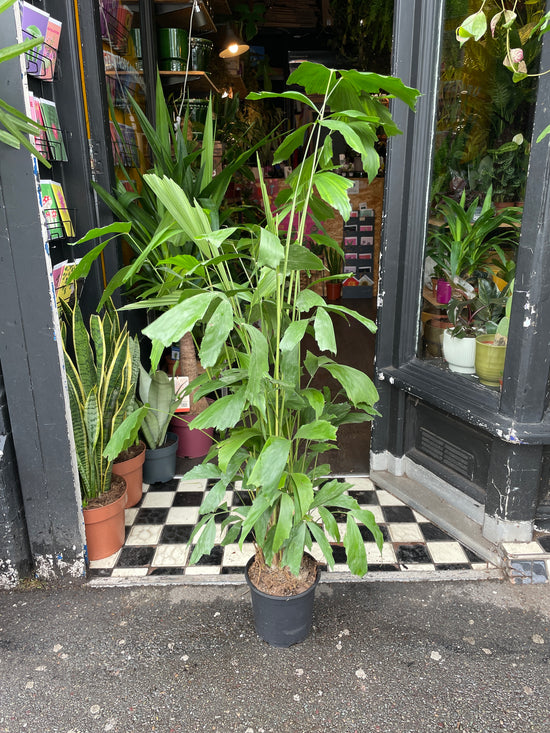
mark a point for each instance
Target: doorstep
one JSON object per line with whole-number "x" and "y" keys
{"x": 159, "y": 527}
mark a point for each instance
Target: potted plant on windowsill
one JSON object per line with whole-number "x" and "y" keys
{"x": 462, "y": 242}
{"x": 101, "y": 385}
{"x": 470, "y": 316}
{"x": 491, "y": 345}
{"x": 274, "y": 425}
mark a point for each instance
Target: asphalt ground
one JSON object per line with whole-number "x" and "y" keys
{"x": 396, "y": 657}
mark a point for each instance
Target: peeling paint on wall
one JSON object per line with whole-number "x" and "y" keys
{"x": 9, "y": 576}
{"x": 49, "y": 567}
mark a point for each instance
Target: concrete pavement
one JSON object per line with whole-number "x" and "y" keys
{"x": 392, "y": 657}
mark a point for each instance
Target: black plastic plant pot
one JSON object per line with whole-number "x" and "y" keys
{"x": 160, "y": 463}
{"x": 282, "y": 620}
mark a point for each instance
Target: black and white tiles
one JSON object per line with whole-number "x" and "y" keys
{"x": 159, "y": 528}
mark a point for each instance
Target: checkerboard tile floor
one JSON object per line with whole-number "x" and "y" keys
{"x": 159, "y": 527}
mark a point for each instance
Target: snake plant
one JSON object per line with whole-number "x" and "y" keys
{"x": 102, "y": 364}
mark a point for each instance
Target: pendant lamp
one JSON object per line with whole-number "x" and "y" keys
{"x": 232, "y": 45}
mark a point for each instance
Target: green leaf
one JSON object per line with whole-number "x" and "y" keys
{"x": 307, "y": 300}
{"x": 318, "y": 430}
{"x": 271, "y": 464}
{"x": 315, "y": 398}
{"x": 302, "y": 258}
{"x": 342, "y": 310}
{"x": 474, "y": 26}
{"x": 206, "y": 541}
{"x": 296, "y": 96}
{"x": 217, "y": 330}
{"x": 271, "y": 252}
{"x": 125, "y": 435}
{"x": 214, "y": 497}
{"x": 258, "y": 367}
{"x": 328, "y": 493}
{"x": 284, "y": 522}
{"x": 324, "y": 331}
{"x": 176, "y": 322}
{"x": 333, "y": 189}
{"x": 355, "y": 548}
{"x": 544, "y": 133}
{"x": 320, "y": 537}
{"x": 303, "y": 490}
{"x": 293, "y": 335}
{"x": 292, "y": 141}
{"x": 228, "y": 447}
{"x": 329, "y": 522}
{"x": 359, "y": 389}
{"x": 294, "y": 551}
{"x": 223, "y": 413}
{"x": 367, "y": 518}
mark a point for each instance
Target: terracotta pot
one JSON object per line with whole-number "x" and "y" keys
{"x": 105, "y": 531}
{"x": 132, "y": 471}
{"x": 334, "y": 290}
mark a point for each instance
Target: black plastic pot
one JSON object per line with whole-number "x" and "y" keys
{"x": 160, "y": 463}
{"x": 282, "y": 620}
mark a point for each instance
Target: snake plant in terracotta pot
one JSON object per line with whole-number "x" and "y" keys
{"x": 100, "y": 363}
{"x": 274, "y": 425}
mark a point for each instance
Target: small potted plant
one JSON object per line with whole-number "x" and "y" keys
{"x": 157, "y": 391}
{"x": 333, "y": 256}
{"x": 491, "y": 345}
{"x": 470, "y": 315}
{"x": 274, "y": 425}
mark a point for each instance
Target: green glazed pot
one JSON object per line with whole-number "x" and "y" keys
{"x": 200, "y": 53}
{"x": 489, "y": 360}
{"x": 172, "y": 45}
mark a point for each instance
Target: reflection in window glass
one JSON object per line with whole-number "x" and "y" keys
{"x": 481, "y": 155}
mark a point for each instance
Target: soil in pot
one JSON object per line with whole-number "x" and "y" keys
{"x": 280, "y": 581}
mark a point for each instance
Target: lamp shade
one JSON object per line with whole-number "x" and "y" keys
{"x": 232, "y": 45}
{"x": 200, "y": 19}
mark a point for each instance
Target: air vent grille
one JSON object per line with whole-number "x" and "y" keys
{"x": 446, "y": 453}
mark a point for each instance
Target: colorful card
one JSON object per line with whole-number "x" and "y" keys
{"x": 40, "y": 141}
{"x": 62, "y": 208}
{"x": 51, "y": 45}
{"x": 34, "y": 23}
{"x": 53, "y": 130}
{"x": 51, "y": 212}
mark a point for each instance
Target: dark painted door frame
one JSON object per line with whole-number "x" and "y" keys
{"x": 31, "y": 358}
{"x": 516, "y": 422}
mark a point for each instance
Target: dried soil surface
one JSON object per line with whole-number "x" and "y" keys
{"x": 131, "y": 452}
{"x": 280, "y": 581}
{"x": 118, "y": 487}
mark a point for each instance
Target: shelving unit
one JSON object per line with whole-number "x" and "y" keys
{"x": 200, "y": 80}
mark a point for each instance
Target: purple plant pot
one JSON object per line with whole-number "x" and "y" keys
{"x": 191, "y": 443}
{"x": 444, "y": 292}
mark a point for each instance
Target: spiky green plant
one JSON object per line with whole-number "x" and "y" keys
{"x": 102, "y": 364}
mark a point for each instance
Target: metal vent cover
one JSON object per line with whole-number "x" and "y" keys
{"x": 446, "y": 453}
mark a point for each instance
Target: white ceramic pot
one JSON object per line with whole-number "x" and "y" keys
{"x": 460, "y": 353}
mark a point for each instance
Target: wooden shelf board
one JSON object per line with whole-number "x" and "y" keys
{"x": 199, "y": 80}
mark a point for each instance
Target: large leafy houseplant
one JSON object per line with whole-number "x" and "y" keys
{"x": 273, "y": 424}
{"x": 465, "y": 240}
